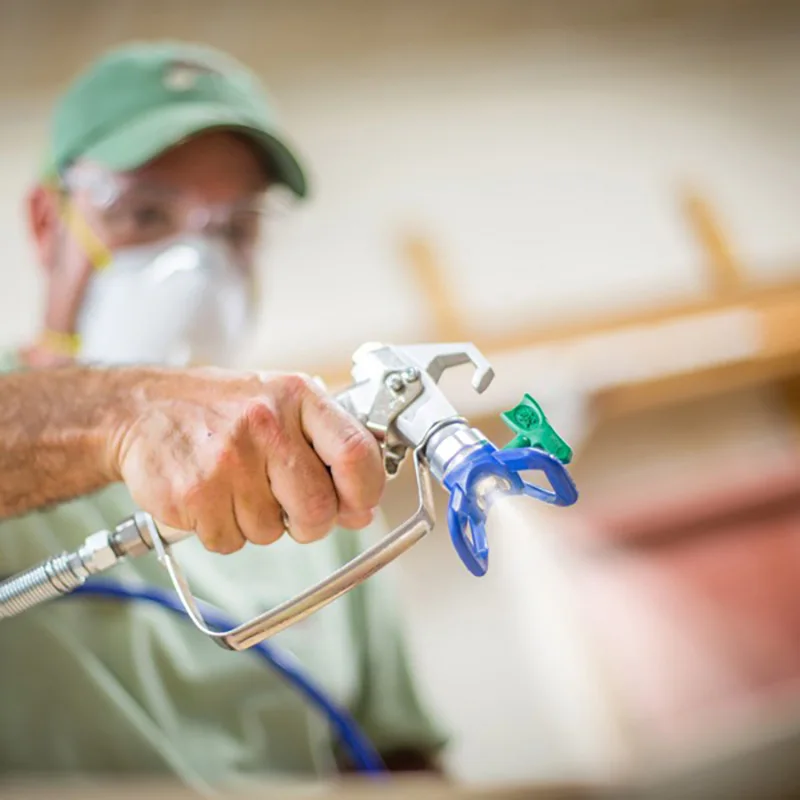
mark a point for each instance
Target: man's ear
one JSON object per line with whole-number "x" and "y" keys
{"x": 44, "y": 223}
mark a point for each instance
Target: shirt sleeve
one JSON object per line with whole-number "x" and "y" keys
{"x": 389, "y": 705}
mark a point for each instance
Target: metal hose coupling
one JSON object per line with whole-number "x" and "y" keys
{"x": 47, "y": 580}
{"x": 57, "y": 575}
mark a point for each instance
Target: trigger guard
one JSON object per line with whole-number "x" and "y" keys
{"x": 179, "y": 582}
{"x": 348, "y": 576}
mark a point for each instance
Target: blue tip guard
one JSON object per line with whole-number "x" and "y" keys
{"x": 499, "y": 471}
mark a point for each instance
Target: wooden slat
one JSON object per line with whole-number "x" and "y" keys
{"x": 778, "y": 307}
{"x": 632, "y": 398}
{"x": 777, "y": 362}
{"x": 447, "y": 323}
{"x": 623, "y": 319}
{"x": 726, "y": 274}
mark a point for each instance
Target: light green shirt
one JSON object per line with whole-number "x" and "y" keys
{"x": 98, "y": 686}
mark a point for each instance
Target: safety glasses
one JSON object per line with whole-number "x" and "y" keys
{"x": 127, "y": 210}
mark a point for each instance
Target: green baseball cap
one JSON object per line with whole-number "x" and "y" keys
{"x": 141, "y": 99}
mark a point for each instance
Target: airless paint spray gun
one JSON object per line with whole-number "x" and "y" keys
{"x": 395, "y": 394}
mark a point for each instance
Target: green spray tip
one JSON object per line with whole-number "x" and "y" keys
{"x": 529, "y": 423}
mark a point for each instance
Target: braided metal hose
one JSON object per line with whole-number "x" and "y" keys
{"x": 55, "y": 576}
{"x": 62, "y": 574}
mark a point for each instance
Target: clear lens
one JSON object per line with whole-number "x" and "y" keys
{"x": 125, "y": 211}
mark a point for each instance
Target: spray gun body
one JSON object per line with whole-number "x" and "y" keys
{"x": 395, "y": 394}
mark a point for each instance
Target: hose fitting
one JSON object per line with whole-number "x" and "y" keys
{"x": 55, "y": 576}
{"x": 58, "y": 575}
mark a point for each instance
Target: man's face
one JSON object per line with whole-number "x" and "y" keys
{"x": 212, "y": 183}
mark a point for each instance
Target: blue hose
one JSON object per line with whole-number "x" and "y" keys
{"x": 362, "y": 752}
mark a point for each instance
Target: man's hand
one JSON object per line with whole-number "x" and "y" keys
{"x": 224, "y": 454}
{"x": 227, "y": 455}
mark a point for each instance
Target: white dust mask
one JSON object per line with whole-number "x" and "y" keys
{"x": 174, "y": 303}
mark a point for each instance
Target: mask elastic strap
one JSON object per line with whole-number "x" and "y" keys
{"x": 98, "y": 254}
{"x": 59, "y": 342}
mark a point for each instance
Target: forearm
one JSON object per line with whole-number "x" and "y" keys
{"x": 56, "y": 433}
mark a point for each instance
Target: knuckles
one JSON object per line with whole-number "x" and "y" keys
{"x": 258, "y": 425}
{"x": 295, "y": 386}
{"x": 260, "y": 420}
{"x": 356, "y": 448}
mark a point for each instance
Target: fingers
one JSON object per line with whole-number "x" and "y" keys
{"x": 297, "y": 481}
{"x": 323, "y": 467}
{"x": 304, "y": 489}
{"x": 234, "y": 453}
{"x": 350, "y": 451}
{"x": 258, "y": 514}
{"x": 233, "y": 501}
{"x": 214, "y": 519}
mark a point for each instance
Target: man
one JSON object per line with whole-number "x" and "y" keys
{"x": 146, "y": 225}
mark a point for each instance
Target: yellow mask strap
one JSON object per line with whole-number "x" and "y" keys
{"x": 98, "y": 254}
{"x": 59, "y": 342}
{"x": 63, "y": 344}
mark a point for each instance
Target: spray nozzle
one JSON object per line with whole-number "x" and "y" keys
{"x": 487, "y": 474}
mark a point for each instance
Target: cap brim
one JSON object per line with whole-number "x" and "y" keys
{"x": 150, "y": 135}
